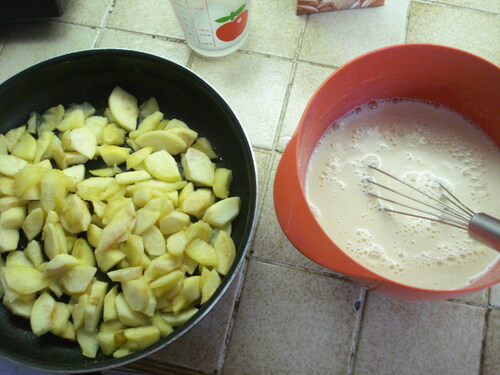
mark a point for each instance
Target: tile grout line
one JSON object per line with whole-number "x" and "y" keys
{"x": 483, "y": 341}
{"x": 236, "y": 304}
{"x": 356, "y": 332}
{"x": 288, "y": 91}
{"x": 453, "y": 6}
{"x": 407, "y": 25}
{"x": 104, "y": 21}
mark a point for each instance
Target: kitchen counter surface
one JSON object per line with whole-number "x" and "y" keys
{"x": 285, "y": 314}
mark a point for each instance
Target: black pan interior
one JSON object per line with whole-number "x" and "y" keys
{"x": 91, "y": 76}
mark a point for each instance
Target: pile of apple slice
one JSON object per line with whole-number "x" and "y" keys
{"x": 159, "y": 234}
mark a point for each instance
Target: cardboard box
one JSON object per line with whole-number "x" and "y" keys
{"x": 316, "y": 6}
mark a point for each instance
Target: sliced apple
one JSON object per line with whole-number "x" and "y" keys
{"x": 197, "y": 167}
{"x": 41, "y": 314}
{"x": 162, "y": 166}
{"x": 123, "y": 108}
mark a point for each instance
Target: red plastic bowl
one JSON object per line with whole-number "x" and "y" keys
{"x": 459, "y": 80}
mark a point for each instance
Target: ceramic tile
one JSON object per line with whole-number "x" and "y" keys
{"x": 89, "y": 12}
{"x": 203, "y": 346}
{"x": 486, "y": 5}
{"x": 291, "y": 322}
{"x": 30, "y": 43}
{"x": 470, "y": 30}
{"x": 274, "y": 27}
{"x": 333, "y": 38}
{"x": 495, "y": 295}
{"x": 479, "y": 298}
{"x": 306, "y": 81}
{"x": 177, "y": 52}
{"x": 270, "y": 242}
{"x": 491, "y": 362}
{"x": 154, "y": 17}
{"x": 254, "y": 87}
{"x": 409, "y": 337}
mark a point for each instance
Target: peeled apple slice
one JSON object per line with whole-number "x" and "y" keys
{"x": 123, "y": 107}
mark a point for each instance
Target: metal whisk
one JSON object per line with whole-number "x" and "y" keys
{"x": 449, "y": 210}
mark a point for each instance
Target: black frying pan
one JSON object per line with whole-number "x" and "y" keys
{"x": 90, "y": 76}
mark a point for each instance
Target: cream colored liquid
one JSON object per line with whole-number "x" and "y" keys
{"x": 421, "y": 143}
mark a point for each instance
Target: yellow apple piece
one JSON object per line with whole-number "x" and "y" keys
{"x": 10, "y": 165}
{"x": 162, "y": 140}
{"x": 88, "y": 342}
{"x": 60, "y": 317}
{"x": 13, "y": 136}
{"x": 197, "y": 202}
{"x": 78, "y": 312}
{"x": 162, "y": 166}
{"x": 118, "y": 229}
{"x": 4, "y": 150}
{"x": 13, "y": 218}
{"x": 21, "y": 307}
{"x": 73, "y": 120}
{"x": 127, "y": 178}
{"x": 112, "y": 135}
{"x": 176, "y": 243}
{"x": 222, "y": 182}
{"x": 42, "y": 145}
{"x": 125, "y": 274}
{"x": 109, "y": 312}
{"x": 202, "y": 252}
{"x": 136, "y": 293}
{"x": 94, "y": 306}
{"x": 199, "y": 229}
{"x": 109, "y": 259}
{"x": 9, "y": 238}
{"x": 123, "y": 108}
{"x": 225, "y": 250}
{"x": 174, "y": 222}
{"x": 7, "y": 186}
{"x": 154, "y": 242}
{"x": 138, "y": 157}
{"x": 76, "y": 172}
{"x": 222, "y": 212}
{"x": 113, "y": 155}
{"x": 33, "y": 223}
{"x": 25, "y": 148}
{"x": 192, "y": 288}
{"x": 137, "y": 338}
{"x": 197, "y": 167}
{"x": 90, "y": 188}
{"x": 83, "y": 140}
{"x": 24, "y": 280}
{"x": 163, "y": 327}
{"x": 34, "y": 253}
{"x": 181, "y": 318}
{"x": 148, "y": 124}
{"x": 75, "y": 215}
{"x": 128, "y": 316}
{"x": 210, "y": 281}
{"x": 186, "y": 134}
{"x": 105, "y": 172}
{"x": 205, "y": 146}
{"x": 59, "y": 265}
{"x": 77, "y": 279}
{"x": 82, "y": 251}
{"x": 41, "y": 314}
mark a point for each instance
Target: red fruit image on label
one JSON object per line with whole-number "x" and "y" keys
{"x": 233, "y": 29}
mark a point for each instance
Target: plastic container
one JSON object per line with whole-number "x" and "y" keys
{"x": 213, "y": 28}
{"x": 459, "y": 80}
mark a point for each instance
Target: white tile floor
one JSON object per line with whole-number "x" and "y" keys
{"x": 292, "y": 316}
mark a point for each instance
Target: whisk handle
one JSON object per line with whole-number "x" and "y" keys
{"x": 485, "y": 229}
